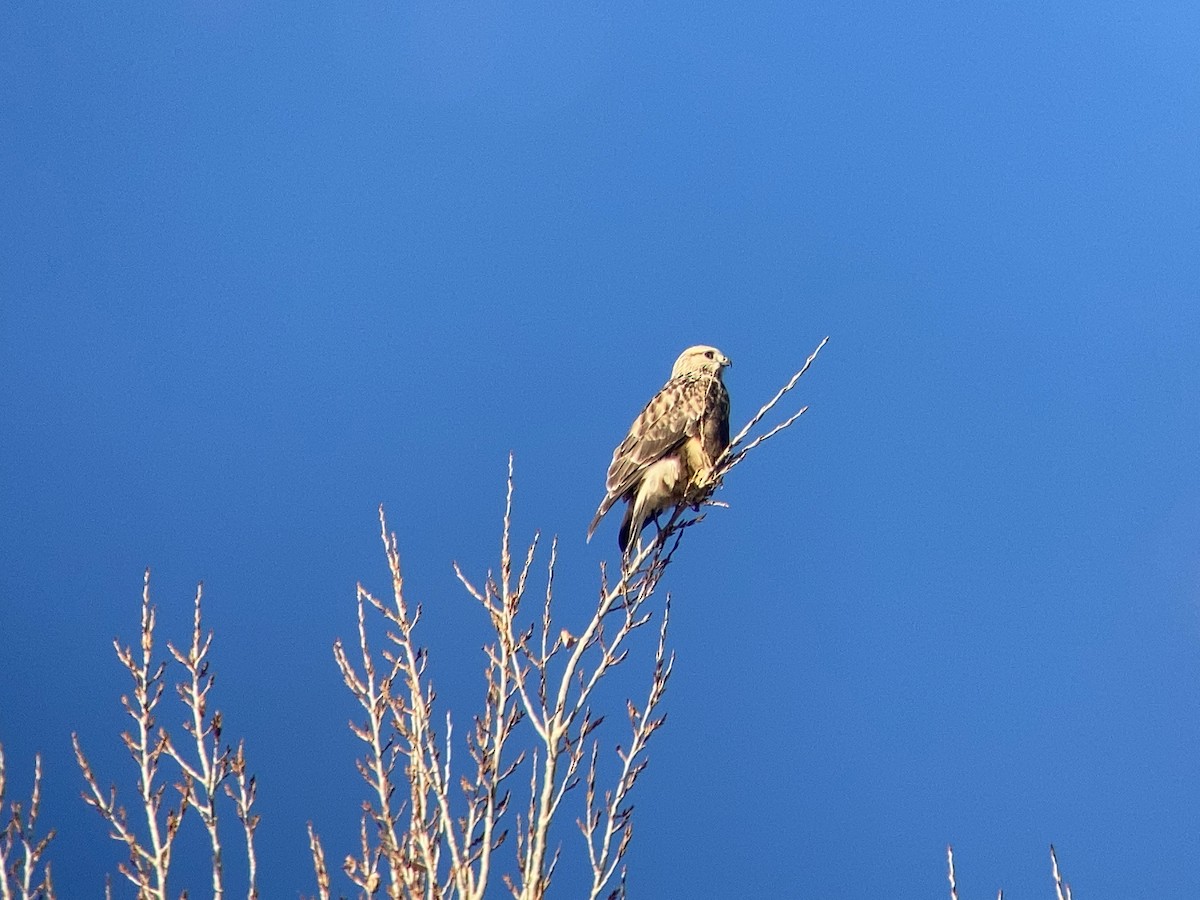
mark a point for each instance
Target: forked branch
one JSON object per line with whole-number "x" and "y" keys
{"x": 202, "y": 772}
{"x": 24, "y": 872}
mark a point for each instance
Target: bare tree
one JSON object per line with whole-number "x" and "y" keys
{"x": 430, "y": 831}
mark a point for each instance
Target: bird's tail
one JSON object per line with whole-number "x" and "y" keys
{"x": 601, "y": 511}
{"x": 627, "y": 533}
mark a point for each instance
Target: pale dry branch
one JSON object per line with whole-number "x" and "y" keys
{"x": 425, "y": 858}
{"x": 150, "y": 861}
{"x": 243, "y": 801}
{"x": 115, "y": 816}
{"x": 554, "y": 673}
{"x": 200, "y": 779}
{"x": 1061, "y": 888}
{"x": 363, "y": 870}
{"x": 318, "y": 855}
{"x": 766, "y": 408}
{"x": 24, "y": 871}
{"x": 532, "y": 674}
{"x": 374, "y": 695}
{"x": 204, "y": 778}
{"x": 617, "y": 817}
{"x": 430, "y": 817}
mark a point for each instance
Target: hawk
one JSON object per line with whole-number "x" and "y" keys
{"x": 671, "y": 445}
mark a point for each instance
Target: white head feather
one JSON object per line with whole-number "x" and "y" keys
{"x": 700, "y": 358}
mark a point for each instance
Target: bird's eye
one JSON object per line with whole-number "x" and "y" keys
{"x": 708, "y": 353}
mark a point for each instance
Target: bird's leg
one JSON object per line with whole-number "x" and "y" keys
{"x": 700, "y": 486}
{"x": 657, "y": 524}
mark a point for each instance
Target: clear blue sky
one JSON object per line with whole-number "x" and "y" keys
{"x": 267, "y": 265}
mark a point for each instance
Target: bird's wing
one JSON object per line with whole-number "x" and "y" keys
{"x": 666, "y": 422}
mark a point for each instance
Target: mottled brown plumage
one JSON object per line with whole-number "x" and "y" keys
{"x": 672, "y": 444}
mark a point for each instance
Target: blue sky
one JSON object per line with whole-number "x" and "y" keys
{"x": 268, "y": 265}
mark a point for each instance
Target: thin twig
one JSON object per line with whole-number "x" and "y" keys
{"x": 318, "y": 855}
{"x": 770, "y": 404}
{"x": 1061, "y": 888}
{"x": 29, "y": 873}
{"x": 202, "y": 780}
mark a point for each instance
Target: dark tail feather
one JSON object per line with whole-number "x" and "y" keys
{"x": 626, "y": 535}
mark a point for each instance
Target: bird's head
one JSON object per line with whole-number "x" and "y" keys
{"x": 700, "y": 358}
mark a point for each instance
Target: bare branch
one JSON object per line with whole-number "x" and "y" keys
{"x": 617, "y": 816}
{"x": 203, "y": 779}
{"x": 24, "y": 872}
{"x": 243, "y": 800}
{"x": 318, "y": 855}
{"x": 200, "y": 778}
{"x": 1061, "y": 888}
{"x": 770, "y": 404}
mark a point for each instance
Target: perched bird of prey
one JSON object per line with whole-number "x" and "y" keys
{"x": 671, "y": 445}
